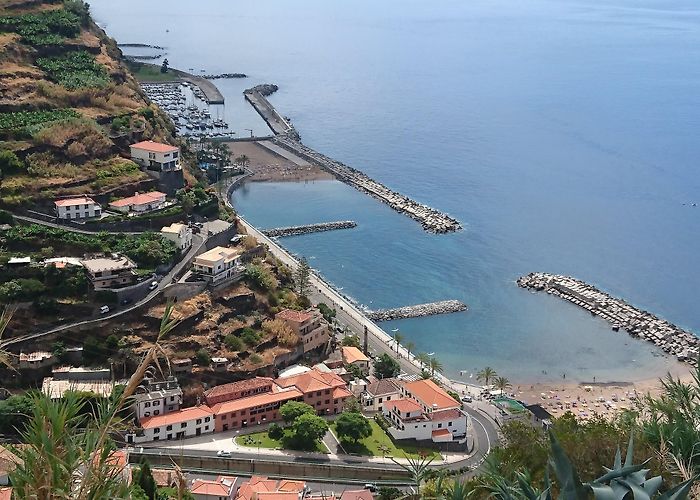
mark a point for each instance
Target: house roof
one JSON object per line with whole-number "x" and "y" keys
{"x": 139, "y": 199}
{"x": 352, "y": 354}
{"x": 163, "y": 477}
{"x": 442, "y": 415}
{"x": 101, "y": 264}
{"x": 8, "y": 461}
{"x": 313, "y": 380}
{"x": 383, "y": 386}
{"x": 175, "y": 228}
{"x": 356, "y": 495}
{"x": 236, "y": 387}
{"x": 221, "y": 487}
{"x": 431, "y": 395}
{"x": 69, "y": 202}
{"x": 216, "y": 254}
{"x": 6, "y": 493}
{"x": 295, "y": 316}
{"x": 176, "y": 417}
{"x": 440, "y": 432}
{"x": 404, "y": 405}
{"x": 155, "y": 147}
{"x": 278, "y": 495}
{"x": 256, "y": 485}
{"x": 265, "y": 398}
{"x": 341, "y": 392}
{"x": 290, "y": 485}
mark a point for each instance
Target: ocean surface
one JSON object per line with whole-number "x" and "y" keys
{"x": 563, "y": 134}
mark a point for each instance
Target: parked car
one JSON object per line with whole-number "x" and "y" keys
{"x": 153, "y": 285}
{"x": 223, "y": 454}
{"x": 466, "y": 399}
{"x": 104, "y": 309}
{"x": 371, "y": 487}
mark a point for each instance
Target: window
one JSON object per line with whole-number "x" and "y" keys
{"x": 440, "y": 426}
{"x": 206, "y": 427}
{"x": 172, "y": 398}
{"x": 388, "y": 398}
{"x": 156, "y": 403}
{"x": 156, "y": 412}
{"x": 169, "y": 428}
{"x": 199, "y": 421}
{"x": 318, "y": 393}
{"x": 449, "y": 424}
{"x": 147, "y": 405}
{"x": 183, "y": 425}
{"x": 207, "y": 419}
{"x": 156, "y": 430}
{"x": 328, "y": 391}
{"x": 223, "y": 417}
{"x": 380, "y": 400}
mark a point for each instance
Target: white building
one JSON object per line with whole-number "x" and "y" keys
{"x": 188, "y": 422}
{"x": 110, "y": 272}
{"x": 36, "y": 360}
{"x": 427, "y": 413}
{"x": 156, "y": 156}
{"x": 157, "y": 398}
{"x": 218, "y": 265}
{"x": 379, "y": 392}
{"x": 180, "y": 234}
{"x": 82, "y": 207}
{"x": 140, "y": 202}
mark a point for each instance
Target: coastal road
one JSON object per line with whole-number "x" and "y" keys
{"x": 484, "y": 429}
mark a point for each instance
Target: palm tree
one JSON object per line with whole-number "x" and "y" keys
{"x": 435, "y": 366}
{"x": 501, "y": 383}
{"x": 410, "y": 346}
{"x": 398, "y": 338}
{"x": 423, "y": 358}
{"x": 486, "y": 375}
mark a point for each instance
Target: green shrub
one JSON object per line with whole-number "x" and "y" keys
{"x": 75, "y": 70}
{"x": 50, "y": 27}
{"x": 20, "y": 289}
{"x": 233, "y": 342}
{"x": 202, "y": 357}
{"x": 275, "y": 431}
{"x": 256, "y": 359}
{"x": 120, "y": 122}
{"x": 259, "y": 277}
{"x": 23, "y": 120}
{"x": 250, "y": 336}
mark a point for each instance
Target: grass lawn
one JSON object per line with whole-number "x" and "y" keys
{"x": 373, "y": 445}
{"x": 145, "y": 72}
{"x": 262, "y": 440}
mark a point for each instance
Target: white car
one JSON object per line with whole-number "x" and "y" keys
{"x": 153, "y": 285}
{"x": 104, "y": 309}
{"x": 223, "y": 454}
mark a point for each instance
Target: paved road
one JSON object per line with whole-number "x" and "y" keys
{"x": 484, "y": 429}
{"x": 68, "y": 227}
{"x": 197, "y": 242}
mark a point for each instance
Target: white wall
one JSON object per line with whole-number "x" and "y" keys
{"x": 190, "y": 430}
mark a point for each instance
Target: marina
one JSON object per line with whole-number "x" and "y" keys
{"x": 418, "y": 311}
{"x": 622, "y": 316}
{"x": 309, "y": 228}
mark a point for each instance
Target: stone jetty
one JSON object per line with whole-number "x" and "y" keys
{"x": 288, "y": 138}
{"x": 417, "y": 311}
{"x": 309, "y": 228}
{"x": 431, "y": 219}
{"x": 220, "y": 76}
{"x": 621, "y": 315}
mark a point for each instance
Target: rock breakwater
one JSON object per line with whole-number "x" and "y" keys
{"x": 309, "y": 228}
{"x": 417, "y": 311}
{"x": 621, "y": 315}
{"x": 224, "y": 76}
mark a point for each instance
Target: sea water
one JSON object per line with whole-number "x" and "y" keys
{"x": 562, "y": 134}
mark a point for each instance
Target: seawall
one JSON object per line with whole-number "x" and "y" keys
{"x": 621, "y": 315}
{"x": 309, "y": 228}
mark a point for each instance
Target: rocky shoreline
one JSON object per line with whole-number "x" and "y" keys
{"x": 621, "y": 315}
{"x": 308, "y": 229}
{"x": 417, "y": 311}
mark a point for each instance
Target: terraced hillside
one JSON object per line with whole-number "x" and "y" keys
{"x": 69, "y": 108}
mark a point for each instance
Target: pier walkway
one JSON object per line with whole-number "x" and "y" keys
{"x": 309, "y": 228}
{"x": 418, "y": 311}
{"x": 621, "y": 315}
{"x": 287, "y": 138}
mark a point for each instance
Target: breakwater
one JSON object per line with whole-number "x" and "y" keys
{"x": 287, "y": 137}
{"x": 621, "y": 315}
{"x": 309, "y": 228}
{"x": 224, "y": 76}
{"x": 417, "y": 311}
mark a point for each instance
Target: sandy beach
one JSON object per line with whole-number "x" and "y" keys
{"x": 588, "y": 399}
{"x": 271, "y": 167}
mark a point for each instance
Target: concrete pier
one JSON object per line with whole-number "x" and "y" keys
{"x": 309, "y": 228}
{"x": 287, "y": 137}
{"x": 621, "y": 315}
{"x": 418, "y": 311}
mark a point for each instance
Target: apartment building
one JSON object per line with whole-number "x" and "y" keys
{"x": 82, "y": 207}
{"x": 309, "y": 325}
{"x": 156, "y": 156}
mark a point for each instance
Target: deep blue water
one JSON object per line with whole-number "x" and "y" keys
{"x": 563, "y": 134}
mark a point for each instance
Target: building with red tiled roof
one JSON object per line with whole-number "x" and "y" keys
{"x": 325, "y": 391}
{"x": 262, "y": 488}
{"x": 77, "y": 208}
{"x": 309, "y": 325}
{"x": 356, "y": 495}
{"x": 379, "y": 392}
{"x": 187, "y": 422}
{"x": 222, "y": 488}
{"x": 6, "y": 493}
{"x": 353, "y": 356}
{"x": 140, "y": 202}
{"x": 238, "y": 390}
{"x": 426, "y": 413}
{"x": 253, "y": 410}
{"x": 156, "y": 156}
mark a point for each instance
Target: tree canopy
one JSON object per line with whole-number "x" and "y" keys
{"x": 386, "y": 367}
{"x": 352, "y": 426}
{"x": 291, "y": 410}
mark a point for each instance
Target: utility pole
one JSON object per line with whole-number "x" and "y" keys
{"x": 366, "y": 347}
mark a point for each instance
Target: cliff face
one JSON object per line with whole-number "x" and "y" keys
{"x": 69, "y": 107}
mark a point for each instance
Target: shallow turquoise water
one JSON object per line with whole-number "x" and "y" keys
{"x": 563, "y": 134}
